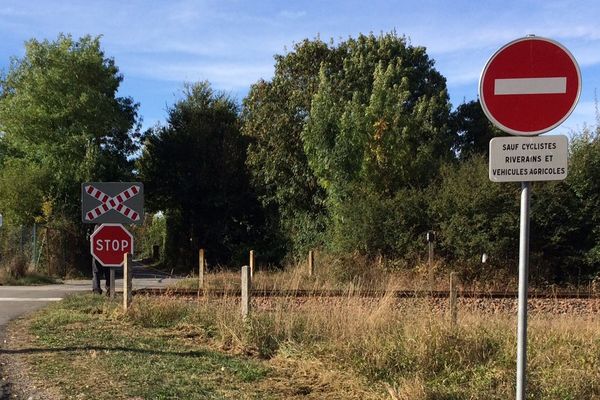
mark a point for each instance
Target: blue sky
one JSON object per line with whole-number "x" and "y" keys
{"x": 158, "y": 45}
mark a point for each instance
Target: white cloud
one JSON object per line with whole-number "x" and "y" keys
{"x": 225, "y": 76}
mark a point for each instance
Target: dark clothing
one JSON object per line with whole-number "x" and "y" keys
{"x": 97, "y": 272}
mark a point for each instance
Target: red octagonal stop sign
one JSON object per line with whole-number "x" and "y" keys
{"x": 109, "y": 244}
{"x": 530, "y": 86}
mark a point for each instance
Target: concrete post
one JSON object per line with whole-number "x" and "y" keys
{"x": 246, "y": 284}
{"x": 127, "y": 281}
{"x": 251, "y": 263}
{"x": 453, "y": 300}
{"x": 430, "y": 263}
{"x": 311, "y": 263}
{"x": 201, "y": 266}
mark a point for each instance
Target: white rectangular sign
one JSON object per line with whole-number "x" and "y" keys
{"x": 526, "y": 159}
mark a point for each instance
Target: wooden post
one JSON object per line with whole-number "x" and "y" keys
{"x": 246, "y": 284}
{"x": 251, "y": 263}
{"x": 311, "y": 263}
{"x": 127, "y": 280}
{"x": 201, "y": 266}
{"x": 111, "y": 282}
{"x": 453, "y": 298}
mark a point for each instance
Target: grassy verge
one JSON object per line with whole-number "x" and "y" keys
{"x": 163, "y": 349}
{"x": 16, "y": 270}
{"x": 28, "y": 279}
{"x": 347, "y": 348}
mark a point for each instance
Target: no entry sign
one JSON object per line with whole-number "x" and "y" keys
{"x": 530, "y": 86}
{"x": 109, "y": 243}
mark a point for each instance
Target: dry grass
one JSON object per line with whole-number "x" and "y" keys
{"x": 351, "y": 347}
{"x": 17, "y": 270}
{"x": 410, "y": 352}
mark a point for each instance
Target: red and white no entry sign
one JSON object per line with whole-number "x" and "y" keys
{"x": 530, "y": 86}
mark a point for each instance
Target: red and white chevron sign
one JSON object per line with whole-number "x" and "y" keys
{"x": 112, "y": 202}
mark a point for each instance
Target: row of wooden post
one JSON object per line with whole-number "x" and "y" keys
{"x": 248, "y": 274}
{"x": 246, "y": 279}
{"x": 202, "y": 266}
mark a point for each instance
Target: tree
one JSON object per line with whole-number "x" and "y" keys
{"x": 584, "y": 182}
{"x": 62, "y": 123}
{"x": 474, "y": 216}
{"x": 370, "y": 110}
{"x": 377, "y": 124}
{"x": 59, "y": 111}
{"x": 273, "y": 116}
{"x": 473, "y": 130}
{"x": 193, "y": 170}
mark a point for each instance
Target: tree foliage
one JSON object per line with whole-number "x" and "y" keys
{"x": 369, "y": 112}
{"x": 273, "y": 116}
{"x": 193, "y": 169}
{"x": 378, "y": 128}
{"x": 473, "y": 215}
{"x": 473, "y": 130}
{"x": 59, "y": 112}
{"x": 584, "y": 181}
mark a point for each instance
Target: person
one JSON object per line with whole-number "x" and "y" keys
{"x": 97, "y": 272}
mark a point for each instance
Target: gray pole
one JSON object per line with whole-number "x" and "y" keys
{"x": 523, "y": 283}
{"x": 34, "y": 246}
{"x": 246, "y": 285}
{"x": 111, "y": 282}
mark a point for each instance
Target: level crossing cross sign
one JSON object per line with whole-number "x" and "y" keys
{"x": 112, "y": 202}
{"x": 530, "y": 86}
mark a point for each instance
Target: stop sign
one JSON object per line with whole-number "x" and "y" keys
{"x": 530, "y": 86}
{"x": 109, "y": 244}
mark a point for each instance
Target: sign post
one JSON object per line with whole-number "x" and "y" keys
{"x": 528, "y": 87}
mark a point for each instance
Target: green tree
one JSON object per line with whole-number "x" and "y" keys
{"x": 273, "y": 115}
{"x": 22, "y": 189}
{"x": 378, "y": 124}
{"x": 193, "y": 170}
{"x": 59, "y": 111}
{"x": 560, "y": 233}
{"x": 62, "y": 123}
{"x": 473, "y": 130}
{"x": 584, "y": 182}
{"x": 474, "y": 216}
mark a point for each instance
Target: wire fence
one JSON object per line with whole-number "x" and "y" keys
{"x": 47, "y": 250}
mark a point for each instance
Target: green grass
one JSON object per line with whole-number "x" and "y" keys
{"x": 86, "y": 344}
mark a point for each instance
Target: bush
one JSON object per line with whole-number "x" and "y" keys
{"x": 474, "y": 216}
{"x": 16, "y": 267}
{"x": 378, "y": 224}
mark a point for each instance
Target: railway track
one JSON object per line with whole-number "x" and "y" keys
{"x": 175, "y": 292}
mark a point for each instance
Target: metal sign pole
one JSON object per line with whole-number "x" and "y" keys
{"x": 523, "y": 284}
{"x": 112, "y": 283}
